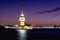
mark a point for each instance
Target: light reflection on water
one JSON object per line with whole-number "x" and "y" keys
{"x": 22, "y": 34}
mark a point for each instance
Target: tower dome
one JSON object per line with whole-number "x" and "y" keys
{"x": 22, "y": 14}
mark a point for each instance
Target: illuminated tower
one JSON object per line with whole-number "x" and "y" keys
{"x": 22, "y": 19}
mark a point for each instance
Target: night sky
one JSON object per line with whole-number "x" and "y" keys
{"x": 37, "y": 12}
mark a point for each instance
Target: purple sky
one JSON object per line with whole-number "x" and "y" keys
{"x": 10, "y": 11}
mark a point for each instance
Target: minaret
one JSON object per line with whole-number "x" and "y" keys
{"x": 22, "y": 19}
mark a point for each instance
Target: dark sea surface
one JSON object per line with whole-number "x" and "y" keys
{"x": 34, "y": 34}
{"x": 44, "y": 34}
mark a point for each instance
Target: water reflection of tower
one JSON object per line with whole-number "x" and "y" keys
{"x": 22, "y": 19}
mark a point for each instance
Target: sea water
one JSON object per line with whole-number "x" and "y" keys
{"x": 22, "y": 34}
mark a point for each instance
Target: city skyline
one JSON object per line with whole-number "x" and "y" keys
{"x": 37, "y": 12}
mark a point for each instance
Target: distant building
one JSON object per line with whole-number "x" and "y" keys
{"x": 57, "y": 25}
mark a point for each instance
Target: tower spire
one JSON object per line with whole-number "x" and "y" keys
{"x": 22, "y": 18}
{"x": 22, "y": 10}
{"x": 22, "y": 14}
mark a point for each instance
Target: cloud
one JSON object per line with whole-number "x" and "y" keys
{"x": 56, "y": 15}
{"x": 51, "y": 10}
{"x": 48, "y": 11}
